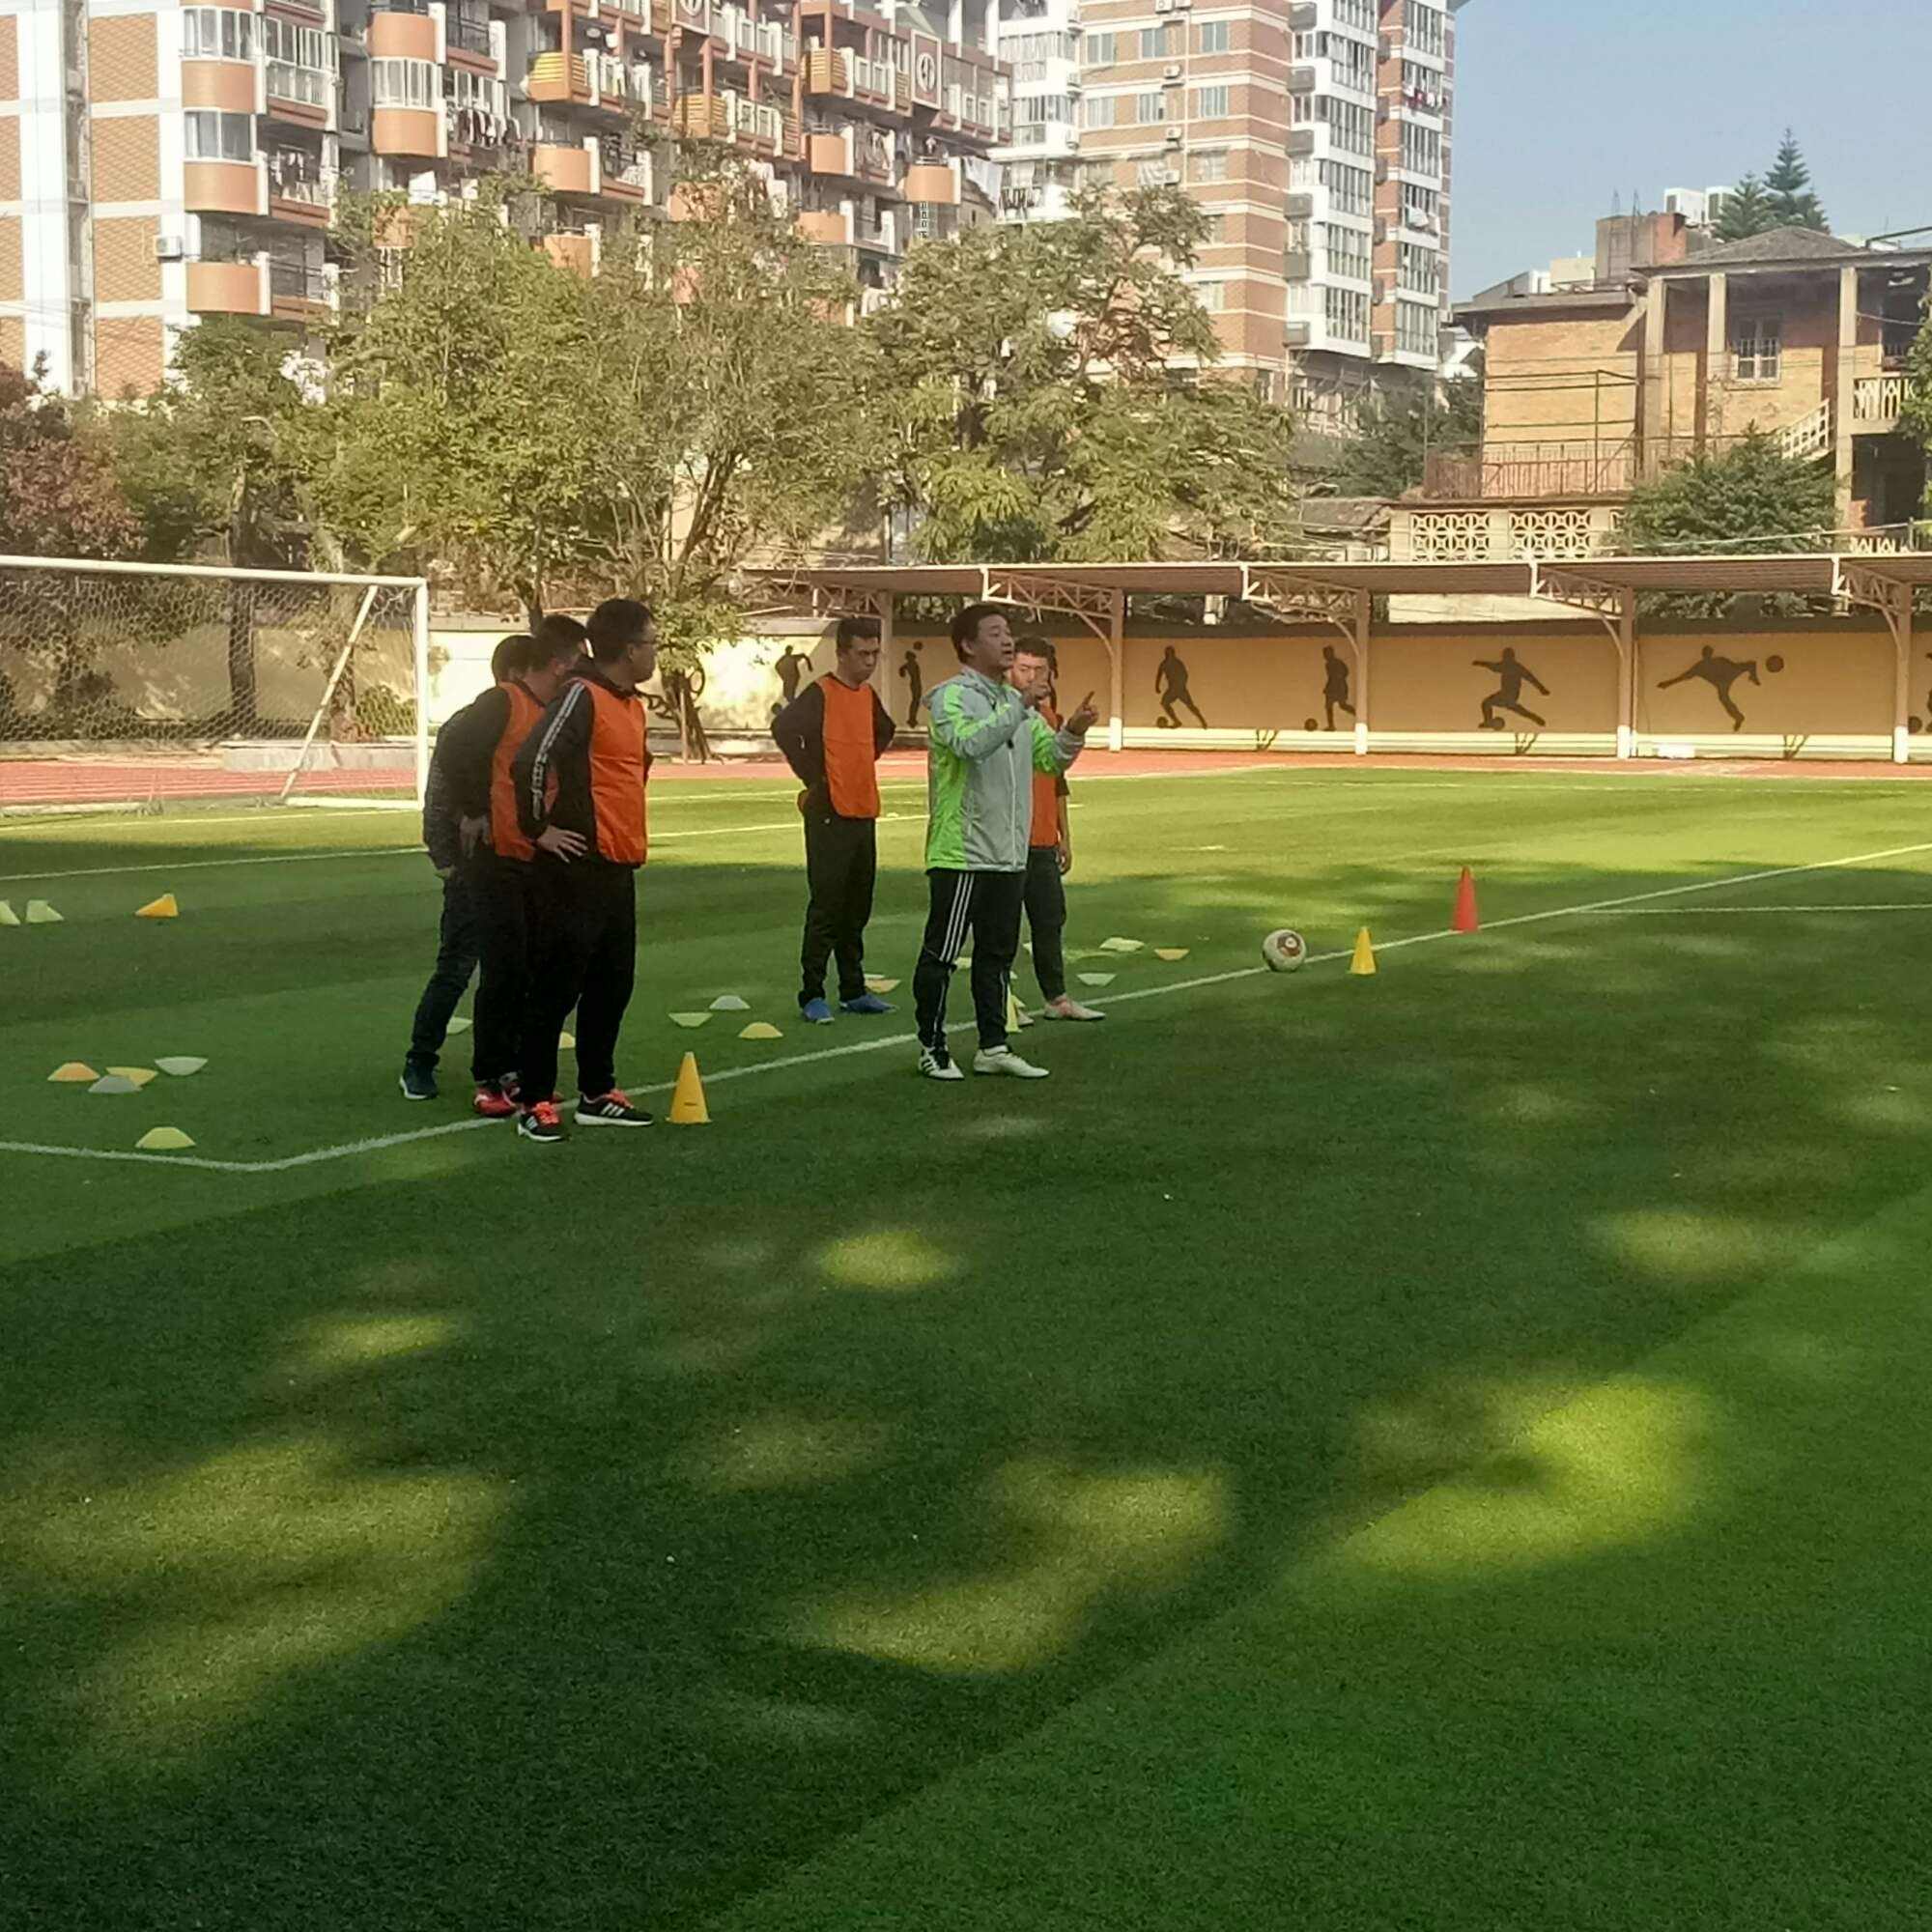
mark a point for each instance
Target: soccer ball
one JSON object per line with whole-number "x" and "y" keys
{"x": 1284, "y": 951}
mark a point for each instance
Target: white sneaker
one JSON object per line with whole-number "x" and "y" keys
{"x": 935, "y": 1068}
{"x": 1004, "y": 1059}
{"x": 1066, "y": 1007}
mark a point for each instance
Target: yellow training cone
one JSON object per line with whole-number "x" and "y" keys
{"x": 139, "y": 1075}
{"x": 1364, "y": 961}
{"x": 163, "y": 1139}
{"x": 40, "y": 913}
{"x": 687, "y": 1100}
{"x": 164, "y": 907}
{"x": 75, "y": 1070}
{"x": 8, "y": 916}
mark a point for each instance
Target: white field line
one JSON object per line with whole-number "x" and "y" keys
{"x": 379, "y": 1143}
{"x": 1712, "y": 912}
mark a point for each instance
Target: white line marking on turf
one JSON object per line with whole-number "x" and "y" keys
{"x": 379, "y": 1143}
{"x": 1711, "y": 911}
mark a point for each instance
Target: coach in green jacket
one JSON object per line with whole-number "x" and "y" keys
{"x": 984, "y": 741}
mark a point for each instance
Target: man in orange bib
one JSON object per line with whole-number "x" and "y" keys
{"x": 832, "y": 734}
{"x": 480, "y": 743}
{"x": 578, "y": 781}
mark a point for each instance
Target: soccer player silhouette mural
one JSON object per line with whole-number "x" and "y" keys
{"x": 792, "y": 665}
{"x": 1170, "y": 686}
{"x": 1512, "y": 675}
{"x": 1334, "y": 685}
{"x": 1719, "y": 673}
{"x": 914, "y": 674}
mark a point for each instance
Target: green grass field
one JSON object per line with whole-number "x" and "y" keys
{"x": 1446, "y": 1451}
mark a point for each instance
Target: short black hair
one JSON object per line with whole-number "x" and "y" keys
{"x": 1033, "y": 646}
{"x": 856, "y": 631}
{"x": 966, "y": 626}
{"x": 511, "y": 658}
{"x": 559, "y": 637}
{"x": 615, "y": 626}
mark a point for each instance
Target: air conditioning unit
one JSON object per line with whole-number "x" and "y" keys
{"x": 1174, "y": 137}
{"x": 1163, "y": 6}
{"x": 1171, "y": 74}
{"x": 169, "y": 248}
{"x": 1170, "y": 178}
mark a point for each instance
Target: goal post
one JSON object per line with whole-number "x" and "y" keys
{"x": 139, "y": 683}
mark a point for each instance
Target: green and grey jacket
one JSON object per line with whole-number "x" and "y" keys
{"x": 984, "y": 745}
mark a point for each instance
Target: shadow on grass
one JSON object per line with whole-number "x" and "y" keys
{"x": 589, "y": 1545}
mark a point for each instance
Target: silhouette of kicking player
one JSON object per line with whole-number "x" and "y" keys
{"x": 1169, "y": 686}
{"x": 1512, "y": 675}
{"x": 915, "y": 676}
{"x": 1335, "y": 684}
{"x": 1719, "y": 673}
{"x": 792, "y": 665}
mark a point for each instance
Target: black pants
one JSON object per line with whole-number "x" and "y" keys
{"x": 584, "y": 955}
{"x": 500, "y": 891}
{"x": 456, "y": 948}
{"x": 842, "y": 863}
{"x": 1046, "y": 919}
{"x": 987, "y": 905}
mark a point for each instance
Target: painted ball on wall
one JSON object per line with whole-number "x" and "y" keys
{"x": 1164, "y": 723}
{"x": 1309, "y": 724}
{"x": 1773, "y": 663}
{"x": 1915, "y": 725}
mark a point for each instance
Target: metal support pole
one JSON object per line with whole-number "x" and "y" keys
{"x": 1625, "y": 642}
{"x": 1901, "y": 711}
{"x": 328, "y": 697}
{"x": 884, "y": 606}
{"x": 422, "y": 691}
{"x": 1116, "y": 680}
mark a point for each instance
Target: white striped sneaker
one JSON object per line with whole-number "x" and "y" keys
{"x": 1004, "y": 1059}
{"x": 938, "y": 1066}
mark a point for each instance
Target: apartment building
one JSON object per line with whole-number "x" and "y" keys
{"x": 1590, "y": 393}
{"x": 1314, "y": 133}
{"x": 159, "y": 162}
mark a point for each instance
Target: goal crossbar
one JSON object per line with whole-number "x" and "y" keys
{"x": 84, "y": 566}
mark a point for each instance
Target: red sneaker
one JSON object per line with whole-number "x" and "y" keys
{"x": 492, "y": 1103}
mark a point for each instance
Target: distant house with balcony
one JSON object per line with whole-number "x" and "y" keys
{"x": 1591, "y": 391}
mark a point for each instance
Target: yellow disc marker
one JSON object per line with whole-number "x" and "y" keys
{"x": 139, "y": 1075}
{"x": 40, "y": 913}
{"x": 74, "y": 1070}
{"x": 8, "y": 916}
{"x": 164, "y": 907}
{"x": 760, "y": 1029}
{"x": 163, "y": 1139}
{"x": 1171, "y": 953}
{"x": 690, "y": 1021}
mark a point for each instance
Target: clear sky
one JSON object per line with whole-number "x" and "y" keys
{"x": 1560, "y": 105}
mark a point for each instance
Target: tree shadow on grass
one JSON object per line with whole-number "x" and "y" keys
{"x": 560, "y": 1550}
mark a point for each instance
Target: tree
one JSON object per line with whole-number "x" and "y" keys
{"x": 1396, "y": 434}
{"x": 1916, "y": 415}
{"x": 1752, "y": 498}
{"x": 1034, "y": 391}
{"x": 213, "y": 462}
{"x": 1787, "y": 189}
{"x": 1746, "y": 211}
{"x": 58, "y": 498}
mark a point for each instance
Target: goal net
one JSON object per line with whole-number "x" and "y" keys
{"x": 137, "y": 684}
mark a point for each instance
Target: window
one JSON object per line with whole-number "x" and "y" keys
{"x": 403, "y": 83}
{"x": 1357, "y": 14}
{"x": 1208, "y": 166}
{"x": 1424, "y": 27}
{"x": 1346, "y": 314}
{"x": 217, "y": 33}
{"x": 1098, "y": 50}
{"x": 1212, "y": 295}
{"x": 484, "y": 92}
{"x": 219, "y": 137}
{"x": 1210, "y": 103}
{"x": 1151, "y": 174}
{"x": 1419, "y": 269}
{"x": 1036, "y": 109}
{"x": 1150, "y": 107}
{"x": 1296, "y": 236}
{"x": 1348, "y": 251}
{"x": 1351, "y": 190}
{"x": 1353, "y": 63}
{"x": 1155, "y": 44}
{"x": 1421, "y": 148}
{"x": 1421, "y": 208}
{"x": 1217, "y": 37}
{"x": 1099, "y": 110}
{"x": 1757, "y": 350}
{"x": 298, "y": 64}
{"x": 1351, "y": 128}
{"x": 1415, "y": 328}
{"x": 1421, "y": 88}
{"x": 1214, "y": 230}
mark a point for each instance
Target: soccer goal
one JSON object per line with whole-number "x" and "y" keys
{"x": 137, "y": 684}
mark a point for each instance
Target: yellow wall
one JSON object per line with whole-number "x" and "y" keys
{"x": 1833, "y": 683}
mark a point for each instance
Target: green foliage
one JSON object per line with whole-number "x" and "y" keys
{"x": 383, "y": 713}
{"x": 1752, "y": 497}
{"x": 1027, "y": 407}
{"x": 1398, "y": 434}
{"x": 1788, "y": 190}
{"x": 1916, "y": 417}
{"x": 59, "y": 496}
{"x": 1746, "y": 211}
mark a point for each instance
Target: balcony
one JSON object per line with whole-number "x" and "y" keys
{"x": 563, "y": 169}
{"x": 466, "y": 36}
{"x": 224, "y": 188}
{"x": 295, "y": 289}
{"x": 1511, "y": 471}
{"x": 227, "y": 288}
{"x": 298, "y": 190}
{"x": 828, "y": 227}
{"x": 827, "y": 70}
{"x": 1878, "y": 401}
{"x": 830, "y": 155}
{"x": 556, "y": 76}
{"x": 933, "y": 184}
{"x": 576, "y": 252}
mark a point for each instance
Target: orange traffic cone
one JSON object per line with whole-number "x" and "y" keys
{"x": 1465, "y": 919}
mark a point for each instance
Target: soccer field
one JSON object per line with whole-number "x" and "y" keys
{"x": 1447, "y": 1450}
